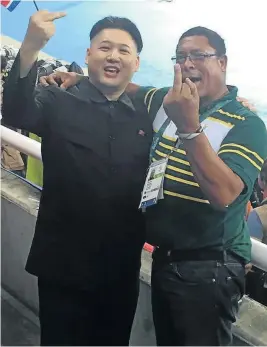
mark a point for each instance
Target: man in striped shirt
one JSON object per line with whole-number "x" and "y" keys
{"x": 201, "y": 237}
{"x": 199, "y": 231}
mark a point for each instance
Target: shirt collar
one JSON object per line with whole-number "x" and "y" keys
{"x": 229, "y": 96}
{"x": 88, "y": 90}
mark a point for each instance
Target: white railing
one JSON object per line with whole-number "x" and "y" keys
{"x": 259, "y": 254}
{"x": 23, "y": 143}
{"x": 33, "y": 148}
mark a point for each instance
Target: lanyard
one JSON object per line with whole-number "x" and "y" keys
{"x": 157, "y": 136}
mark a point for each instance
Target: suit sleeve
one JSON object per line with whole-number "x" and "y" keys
{"x": 24, "y": 107}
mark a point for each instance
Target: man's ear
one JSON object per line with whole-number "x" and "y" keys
{"x": 88, "y": 52}
{"x": 223, "y": 62}
{"x": 137, "y": 63}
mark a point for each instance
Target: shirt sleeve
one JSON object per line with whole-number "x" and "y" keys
{"x": 23, "y": 106}
{"x": 244, "y": 149}
{"x": 254, "y": 225}
{"x": 152, "y": 98}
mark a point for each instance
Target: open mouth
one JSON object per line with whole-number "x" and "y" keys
{"x": 111, "y": 71}
{"x": 195, "y": 79}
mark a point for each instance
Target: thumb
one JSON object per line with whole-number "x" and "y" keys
{"x": 71, "y": 79}
{"x": 67, "y": 82}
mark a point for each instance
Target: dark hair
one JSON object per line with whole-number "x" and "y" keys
{"x": 215, "y": 40}
{"x": 263, "y": 173}
{"x": 3, "y": 63}
{"x": 121, "y": 23}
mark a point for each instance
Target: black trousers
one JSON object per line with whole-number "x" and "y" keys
{"x": 195, "y": 302}
{"x": 100, "y": 316}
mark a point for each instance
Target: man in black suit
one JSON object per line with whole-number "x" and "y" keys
{"x": 95, "y": 148}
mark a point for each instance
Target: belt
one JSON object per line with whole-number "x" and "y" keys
{"x": 188, "y": 255}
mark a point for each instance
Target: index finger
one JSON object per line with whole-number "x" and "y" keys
{"x": 178, "y": 80}
{"x": 55, "y": 15}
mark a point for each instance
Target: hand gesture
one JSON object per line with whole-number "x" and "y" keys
{"x": 41, "y": 28}
{"x": 63, "y": 79}
{"x": 181, "y": 104}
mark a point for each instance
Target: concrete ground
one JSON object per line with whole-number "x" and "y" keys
{"x": 18, "y": 330}
{"x": 19, "y": 326}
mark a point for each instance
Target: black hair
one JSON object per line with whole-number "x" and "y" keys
{"x": 3, "y": 63}
{"x": 121, "y": 23}
{"x": 257, "y": 196}
{"x": 215, "y": 40}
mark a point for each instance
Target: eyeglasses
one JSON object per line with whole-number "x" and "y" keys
{"x": 194, "y": 57}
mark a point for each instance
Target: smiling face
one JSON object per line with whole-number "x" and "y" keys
{"x": 112, "y": 60}
{"x": 207, "y": 72}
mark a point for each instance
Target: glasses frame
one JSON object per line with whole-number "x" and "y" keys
{"x": 202, "y": 56}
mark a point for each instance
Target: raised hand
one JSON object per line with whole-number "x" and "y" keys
{"x": 181, "y": 104}
{"x": 41, "y": 28}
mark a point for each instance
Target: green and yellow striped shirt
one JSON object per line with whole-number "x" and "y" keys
{"x": 184, "y": 219}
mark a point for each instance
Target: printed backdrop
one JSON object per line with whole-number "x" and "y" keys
{"x": 161, "y": 23}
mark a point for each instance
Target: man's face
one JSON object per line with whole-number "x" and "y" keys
{"x": 207, "y": 72}
{"x": 112, "y": 59}
{"x": 261, "y": 183}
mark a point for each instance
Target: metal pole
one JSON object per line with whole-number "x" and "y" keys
{"x": 35, "y": 5}
{"x": 259, "y": 254}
